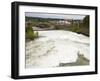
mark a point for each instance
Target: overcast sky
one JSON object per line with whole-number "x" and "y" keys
{"x": 57, "y": 16}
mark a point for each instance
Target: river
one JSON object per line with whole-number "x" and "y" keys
{"x": 54, "y": 47}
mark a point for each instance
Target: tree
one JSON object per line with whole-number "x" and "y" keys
{"x": 86, "y": 21}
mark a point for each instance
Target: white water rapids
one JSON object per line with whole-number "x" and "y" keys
{"x": 54, "y": 47}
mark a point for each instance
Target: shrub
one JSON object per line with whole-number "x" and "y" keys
{"x": 30, "y": 34}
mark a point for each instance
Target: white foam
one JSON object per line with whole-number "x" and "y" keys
{"x": 54, "y": 47}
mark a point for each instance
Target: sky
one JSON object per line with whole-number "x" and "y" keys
{"x": 57, "y": 16}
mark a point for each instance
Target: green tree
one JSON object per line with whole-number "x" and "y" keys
{"x": 86, "y": 21}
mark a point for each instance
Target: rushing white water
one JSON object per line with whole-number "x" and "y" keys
{"x": 54, "y": 47}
